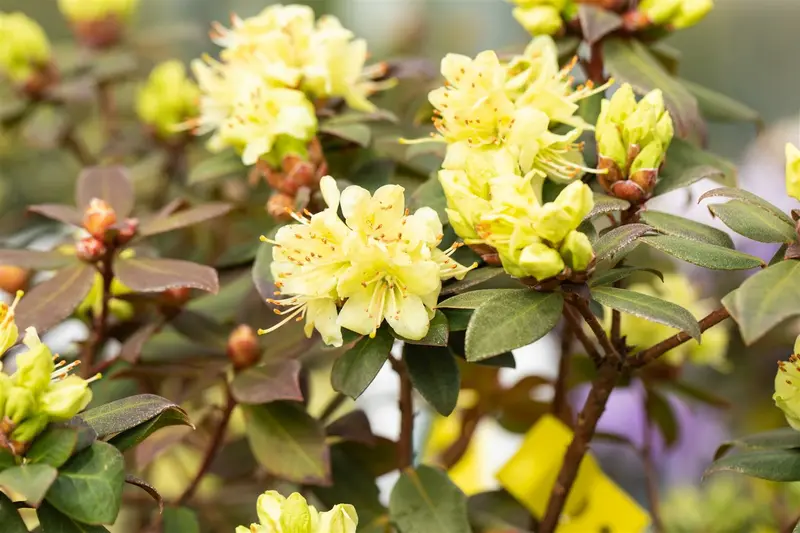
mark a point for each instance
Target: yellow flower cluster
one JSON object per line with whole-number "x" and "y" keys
{"x": 258, "y": 97}
{"x": 496, "y": 118}
{"x": 787, "y": 387}
{"x": 167, "y": 99}
{"x": 678, "y": 290}
{"x": 24, "y": 47}
{"x": 379, "y": 263}
{"x": 278, "y": 514}
{"x": 675, "y": 13}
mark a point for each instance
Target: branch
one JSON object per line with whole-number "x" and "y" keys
{"x": 580, "y": 334}
{"x": 71, "y": 143}
{"x": 560, "y": 406}
{"x": 335, "y": 403}
{"x": 99, "y": 332}
{"x": 469, "y": 423}
{"x": 651, "y": 354}
{"x": 405, "y": 444}
{"x": 582, "y": 306}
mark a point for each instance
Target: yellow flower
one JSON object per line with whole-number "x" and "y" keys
{"x": 293, "y": 515}
{"x": 35, "y": 365}
{"x": 9, "y": 332}
{"x": 168, "y": 98}
{"x": 24, "y": 48}
{"x": 89, "y": 10}
{"x": 792, "y": 171}
{"x": 595, "y": 503}
{"x": 787, "y": 390}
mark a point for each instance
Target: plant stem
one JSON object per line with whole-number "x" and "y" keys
{"x": 651, "y": 475}
{"x": 405, "y": 444}
{"x": 108, "y": 108}
{"x": 582, "y": 306}
{"x": 335, "y": 403}
{"x": 71, "y": 143}
{"x": 97, "y": 337}
{"x": 560, "y": 405}
{"x": 654, "y": 352}
{"x": 580, "y": 334}
{"x": 216, "y": 443}
{"x": 469, "y": 423}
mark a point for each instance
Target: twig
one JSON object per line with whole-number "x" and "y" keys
{"x": 582, "y": 306}
{"x": 651, "y": 354}
{"x": 560, "y": 406}
{"x": 469, "y": 423}
{"x": 216, "y": 443}
{"x": 75, "y": 146}
{"x": 405, "y": 445}
{"x": 650, "y": 475}
{"x": 335, "y": 403}
{"x": 580, "y": 334}
{"x": 108, "y": 108}
{"x": 97, "y": 338}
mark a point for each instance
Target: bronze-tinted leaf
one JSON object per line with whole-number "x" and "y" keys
{"x": 353, "y": 427}
{"x": 111, "y": 184}
{"x": 156, "y": 275}
{"x": 183, "y": 219}
{"x": 35, "y": 260}
{"x": 63, "y": 213}
{"x": 132, "y": 347}
{"x": 596, "y": 22}
{"x": 50, "y": 302}
{"x": 262, "y": 384}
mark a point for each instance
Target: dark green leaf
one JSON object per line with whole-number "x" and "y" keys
{"x": 434, "y": 373}
{"x": 776, "y": 439}
{"x": 35, "y": 260}
{"x": 437, "y": 335}
{"x": 216, "y": 167}
{"x": 589, "y": 230}
{"x": 688, "y": 229}
{"x": 596, "y": 22}
{"x": 53, "y": 447}
{"x": 697, "y": 394}
{"x": 353, "y": 427}
{"x": 374, "y": 173}
{"x": 458, "y": 319}
{"x": 53, "y": 521}
{"x": 156, "y": 275}
{"x": 511, "y": 320}
{"x": 606, "y": 204}
{"x": 355, "y": 133}
{"x": 89, "y": 487}
{"x": 183, "y": 219}
{"x": 148, "y": 488}
{"x": 30, "y": 481}
{"x": 765, "y": 300}
{"x": 7, "y": 459}
{"x": 135, "y": 435}
{"x": 750, "y": 198}
{"x": 753, "y": 222}
{"x": 687, "y": 163}
{"x": 472, "y": 279}
{"x": 703, "y": 254}
{"x": 648, "y": 307}
{"x": 128, "y": 413}
{"x": 111, "y": 184}
{"x": 86, "y": 434}
{"x": 660, "y": 412}
{"x": 774, "y": 465}
{"x": 430, "y": 194}
{"x": 287, "y": 442}
{"x": 52, "y": 301}
{"x": 504, "y": 360}
{"x": 498, "y": 511}
{"x": 180, "y": 519}
{"x": 617, "y": 243}
{"x": 615, "y": 274}
{"x": 279, "y": 380}
{"x": 425, "y": 500}
{"x": 676, "y": 177}
{"x": 719, "y": 107}
{"x": 356, "y": 368}
{"x": 63, "y": 213}
{"x": 474, "y": 299}
{"x": 9, "y": 517}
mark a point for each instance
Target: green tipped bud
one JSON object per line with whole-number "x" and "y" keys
{"x": 793, "y": 172}
{"x": 650, "y": 158}
{"x": 577, "y": 251}
{"x": 341, "y": 519}
{"x": 35, "y": 365}
{"x": 610, "y": 145}
{"x": 29, "y": 429}
{"x": 665, "y": 129}
{"x": 640, "y": 124}
{"x": 168, "y": 99}
{"x": 5, "y": 388}
{"x": 577, "y": 201}
{"x": 692, "y": 12}
{"x": 552, "y": 222}
{"x": 65, "y": 399}
{"x": 654, "y": 99}
{"x": 539, "y": 20}
{"x": 19, "y": 405}
{"x": 540, "y": 261}
{"x": 269, "y": 508}
{"x": 462, "y": 201}
{"x": 24, "y": 48}
{"x": 621, "y": 105}
{"x": 92, "y": 10}
{"x": 660, "y": 11}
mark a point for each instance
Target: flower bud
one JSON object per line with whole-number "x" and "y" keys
{"x": 280, "y": 206}
{"x": 577, "y": 201}
{"x": 629, "y": 190}
{"x": 90, "y": 249}
{"x": 660, "y": 12}
{"x": 9, "y": 332}
{"x": 24, "y": 48}
{"x": 19, "y": 404}
{"x": 34, "y": 365}
{"x": 270, "y": 508}
{"x": 577, "y": 251}
{"x": 539, "y": 20}
{"x": 98, "y": 23}
{"x": 610, "y": 145}
{"x": 692, "y": 12}
{"x": 787, "y": 390}
{"x": 98, "y": 218}
{"x": 66, "y": 398}
{"x": 167, "y": 99}
{"x": 29, "y": 429}
{"x": 12, "y": 279}
{"x": 177, "y": 296}
{"x": 128, "y": 230}
{"x": 480, "y": 164}
{"x": 5, "y": 388}
{"x": 341, "y": 519}
{"x": 296, "y": 515}
{"x": 540, "y": 261}
{"x": 793, "y": 172}
{"x": 243, "y": 348}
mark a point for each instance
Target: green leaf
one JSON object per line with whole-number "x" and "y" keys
{"x": 773, "y": 465}
{"x": 776, "y": 439}
{"x": 434, "y": 373}
{"x": 687, "y": 163}
{"x": 511, "y": 320}
{"x": 109, "y": 183}
{"x": 753, "y": 222}
{"x": 682, "y": 227}
{"x": 628, "y": 60}
{"x": 288, "y": 442}
{"x": 719, "y": 107}
{"x": 438, "y": 332}
{"x": 135, "y": 435}
{"x": 458, "y": 319}
{"x": 7, "y": 459}
{"x": 750, "y": 198}
{"x": 648, "y": 307}
{"x": 606, "y": 204}
{"x": 53, "y": 521}
{"x": 765, "y": 300}
{"x": 143, "y": 274}
{"x": 430, "y": 194}
{"x": 374, "y": 173}
{"x": 50, "y": 302}
{"x": 279, "y": 380}
{"x": 128, "y": 413}
{"x": 180, "y": 519}
{"x": 498, "y": 511}
{"x": 89, "y": 487}
{"x": 356, "y": 368}
{"x": 474, "y": 299}
{"x": 617, "y": 243}
{"x": 9, "y": 516}
{"x": 30, "y": 481}
{"x": 216, "y": 167}
{"x": 678, "y": 178}
{"x": 53, "y": 447}
{"x": 425, "y": 500}
{"x": 703, "y": 254}
{"x": 355, "y": 133}
{"x": 473, "y": 278}
{"x": 615, "y": 274}
{"x": 660, "y": 411}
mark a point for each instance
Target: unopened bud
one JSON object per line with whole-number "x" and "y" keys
{"x": 128, "y": 230}
{"x": 5, "y": 388}
{"x": 539, "y": 20}
{"x": 621, "y": 104}
{"x": 660, "y": 12}
{"x": 19, "y": 404}
{"x": 177, "y": 296}
{"x": 98, "y": 217}
{"x": 98, "y": 24}
{"x": 90, "y": 249}
{"x": 12, "y": 279}
{"x": 280, "y": 206}
{"x": 610, "y": 144}
{"x": 552, "y": 223}
{"x": 650, "y": 158}
{"x": 297, "y": 173}
{"x": 577, "y": 201}
{"x": 66, "y": 398}
{"x": 541, "y": 261}
{"x": 630, "y": 191}
{"x": 612, "y": 175}
{"x": 341, "y": 519}
{"x": 577, "y": 251}
{"x": 25, "y": 48}
{"x": 243, "y": 349}
{"x": 692, "y": 12}
{"x": 28, "y": 430}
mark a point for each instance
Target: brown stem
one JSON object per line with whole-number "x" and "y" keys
{"x": 560, "y": 405}
{"x": 405, "y": 445}
{"x": 108, "y": 108}
{"x": 584, "y": 431}
{"x": 216, "y": 443}
{"x": 469, "y": 423}
{"x": 582, "y": 306}
{"x": 789, "y": 527}
{"x": 580, "y": 334}
{"x": 650, "y": 475}
{"x": 654, "y": 352}
{"x": 99, "y": 333}
{"x": 595, "y": 68}
{"x": 75, "y": 146}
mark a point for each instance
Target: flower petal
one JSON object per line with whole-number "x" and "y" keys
{"x": 407, "y": 315}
